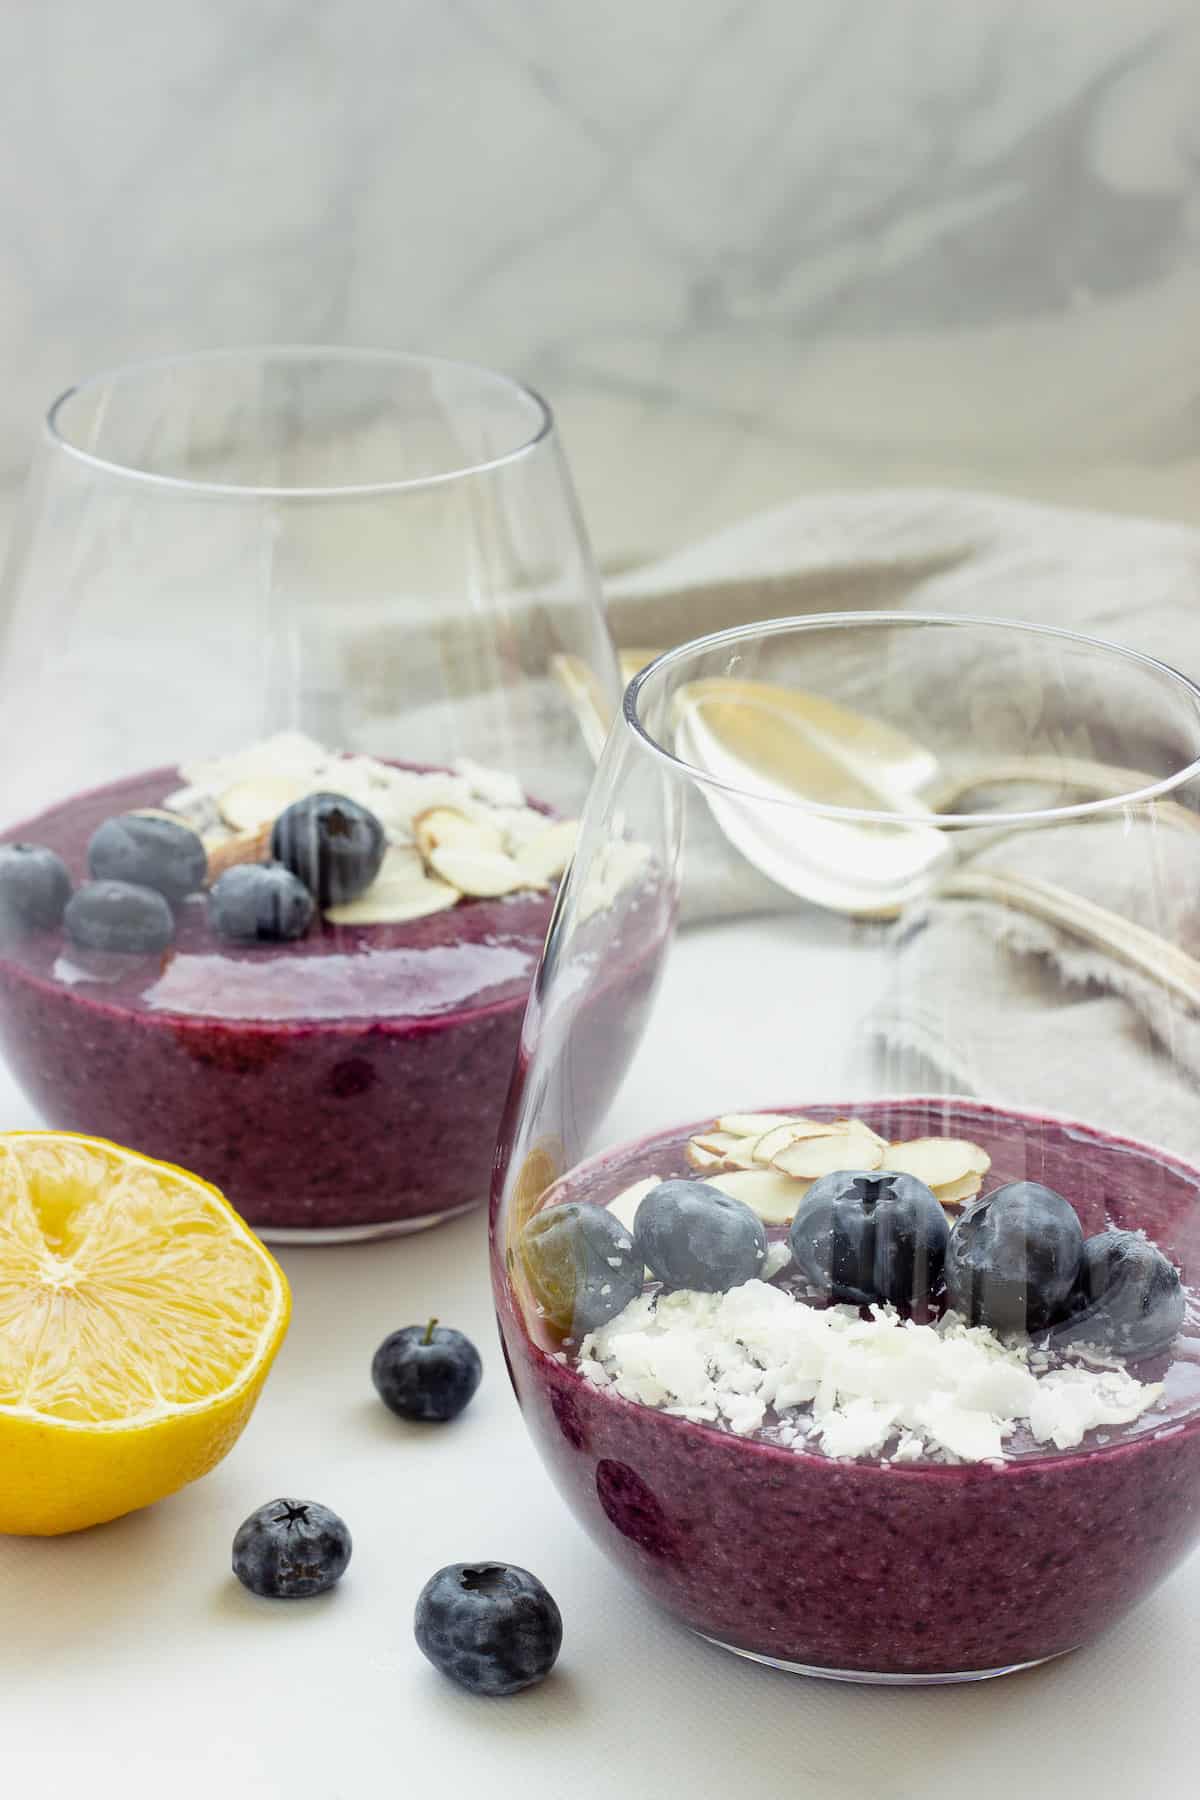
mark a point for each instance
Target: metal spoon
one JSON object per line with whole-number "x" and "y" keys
{"x": 790, "y": 746}
{"x": 784, "y": 744}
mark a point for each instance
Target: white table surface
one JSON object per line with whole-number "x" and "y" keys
{"x": 132, "y": 1663}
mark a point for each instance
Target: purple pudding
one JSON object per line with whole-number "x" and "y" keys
{"x": 887, "y": 1565}
{"x": 348, "y": 1082}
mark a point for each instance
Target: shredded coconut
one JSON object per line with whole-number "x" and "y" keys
{"x": 779, "y": 1255}
{"x": 950, "y": 1391}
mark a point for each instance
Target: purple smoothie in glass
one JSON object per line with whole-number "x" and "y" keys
{"x": 925, "y": 1571}
{"x": 347, "y": 1083}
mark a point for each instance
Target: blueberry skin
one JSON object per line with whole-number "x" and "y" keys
{"x": 1014, "y": 1258}
{"x": 116, "y": 915}
{"x": 491, "y": 1627}
{"x": 34, "y": 888}
{"x": 864, "y": 1236}
{"x": 164, "y": 854}
{"x": 582, "y": 1265}
{"x": 260, "y": 903}
{"x": 334, "y": 845}
{"x": 426, "y": 1371}
{"x": 291, "y": 1549}
{"x": 1130, "y": 1297}
{"x": 691, "y": 1235}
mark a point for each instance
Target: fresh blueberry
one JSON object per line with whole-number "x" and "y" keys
{"x": 581, "y": 1264}
{"x": 34, "y": 888}
{"x": 691, "y": 1235}
{"x": 116, "y": 915}
{"x": 334, "y": 845}
{"x": 492, "y": 1627}
{"x": 260, "y": 903}
{"x": 164, "y": 854}
{"x": 426, "y": 1371}
{"x": 1131, "y": 1297}
{"x": 1014, "y": 1258}
{"x": 290, "y": 1549}
{"x": 863, "y": 1236}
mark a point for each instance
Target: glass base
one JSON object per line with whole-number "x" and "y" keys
{"x": 359, "y": 1234}
{"x": 795, "y": 1668}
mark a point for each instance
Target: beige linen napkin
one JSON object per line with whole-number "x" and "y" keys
{"x": 1120, "y": 1048}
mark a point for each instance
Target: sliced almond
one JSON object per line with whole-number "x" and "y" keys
{"x": 442, "y": 826}
{"x": 704, "y": 1160}
{"x": 494, "y": 786}
{"x": 937, "y": 1161}
{"x": 858, "y": 1125}
{"x": 162, "y": 812}
{"x": 957, "y": 1193}
{"x": 755, "y": 1124}
{"x": 259, "y": 801}
{"x": 813, "y": 1157}
{"x": 744, "y": 1154}
{"x": 194, "y": 806}
{"x": 623, "y": 1206}
{"x": 401, "y": 862}
{"x": 726, "y": 1151}
{"x": 395, "y": 901}
{"x": 768, "y": 1146}
{"x": 716, "y": 1142}
{"x": 545, "y": 856}
{"x": 772, "y": 1196}
{"x": 482, "y": 874}
{"x": 242, "y": 847}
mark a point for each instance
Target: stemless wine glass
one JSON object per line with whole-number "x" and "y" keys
{"x": 241, "y": 580}
{"x": 846, "y": 1255}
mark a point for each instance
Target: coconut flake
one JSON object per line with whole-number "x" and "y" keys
{"x": 1071, "y": 1402}
{"x": 496, "y": 787}
{"x": 779, "y": 1255}
{"x": 949, "y": 1391}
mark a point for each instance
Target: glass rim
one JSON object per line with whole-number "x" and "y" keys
{"x": 958, "y": 821}
{"x": 52, "y": 427}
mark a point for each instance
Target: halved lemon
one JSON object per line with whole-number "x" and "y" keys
{"x": 139, "y": 1317}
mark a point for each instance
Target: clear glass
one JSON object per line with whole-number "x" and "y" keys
{"x": 846, "y": 1225}
{"x": 384, "y": 554}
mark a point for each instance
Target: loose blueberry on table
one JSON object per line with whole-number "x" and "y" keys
{"x": 426, "y": 1372}
{"x": 291, "y": 1550}
{"x": 491, "y": 1627}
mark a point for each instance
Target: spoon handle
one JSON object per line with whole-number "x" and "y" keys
{"x": 1102, "y": 781}
{"x": 1131, "y": 944}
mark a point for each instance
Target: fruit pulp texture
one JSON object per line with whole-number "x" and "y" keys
{"x": 921, "y": 1569}
{"x": 353, "y": 1078}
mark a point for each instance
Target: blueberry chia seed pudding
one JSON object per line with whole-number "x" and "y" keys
{"x": 908, "y": 1391}
{"x": 301, "y": 975}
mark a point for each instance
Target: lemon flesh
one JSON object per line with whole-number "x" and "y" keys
{"x": 139, "y": 1317}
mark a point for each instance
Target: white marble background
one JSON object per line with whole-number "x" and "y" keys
{"x": 748, "y": 247}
